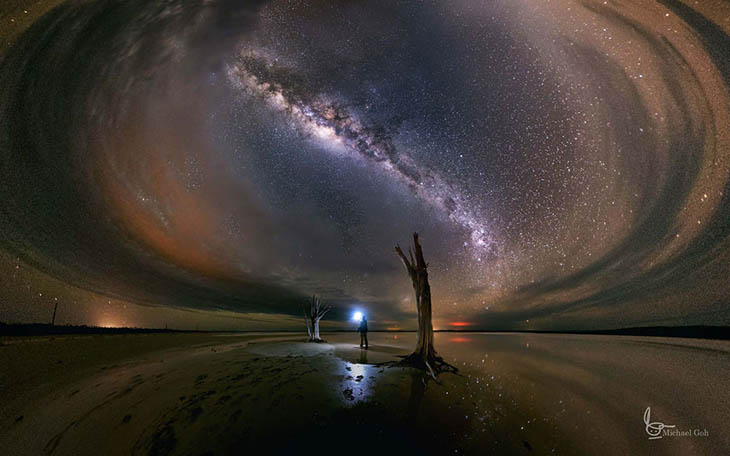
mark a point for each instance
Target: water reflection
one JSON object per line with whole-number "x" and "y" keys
{"x": 363, "y": 359}
{"x": 418, "y": 389}
{"x": 358, "y": 380}
{"x": 549, "y": 392}
{"x": 459, "y": 339}
{"x": 579, "y": 383}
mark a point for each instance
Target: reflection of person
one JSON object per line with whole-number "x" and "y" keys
{"x": 363, "y": 330}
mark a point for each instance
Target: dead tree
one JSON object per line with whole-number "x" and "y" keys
{"x": 311, "y": 318}
{"x": 424, "y": 356}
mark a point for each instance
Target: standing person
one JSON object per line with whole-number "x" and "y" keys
{"x": 363, "y": 330}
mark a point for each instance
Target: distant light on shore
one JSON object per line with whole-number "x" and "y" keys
{"x": 460, "y": 324}
{"x": 109, "y": 324}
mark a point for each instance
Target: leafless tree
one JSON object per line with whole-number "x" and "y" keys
{"x": 424, "y": 356}
{"x": 316, "y": 311}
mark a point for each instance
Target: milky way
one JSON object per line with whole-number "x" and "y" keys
{"x": 332, "y": 123}
{"x": 210, "y": 163}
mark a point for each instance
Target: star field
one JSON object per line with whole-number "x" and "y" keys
{"x": 566, "y": 163}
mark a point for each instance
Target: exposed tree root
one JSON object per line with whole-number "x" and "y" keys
{"x": 433, "y": 366}
{"x": 317, "y": 341}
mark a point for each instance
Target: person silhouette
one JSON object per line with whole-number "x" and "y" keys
{"x": 363, "y": 330}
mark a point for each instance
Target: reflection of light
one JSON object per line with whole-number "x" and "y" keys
{"x": 357, "y": 379}
{"x": 357, "y": 370}
{"x": 460, "y": 339}
{"x": 357, "y": 316}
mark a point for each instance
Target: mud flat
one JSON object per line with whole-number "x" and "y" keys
{"x": 233, "y": 394}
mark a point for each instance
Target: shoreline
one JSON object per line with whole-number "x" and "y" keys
{"x": 14, "y": 330}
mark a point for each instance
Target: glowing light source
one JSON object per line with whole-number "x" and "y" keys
{"x": 108, "y": 324}
{"x": 460, "y": 323}
{"x": 357, "y": 316}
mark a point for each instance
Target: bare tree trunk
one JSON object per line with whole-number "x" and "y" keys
{"x": 425, "y": 347}
{"x": 417, "y": 268}
{"x": 316, "y": 329}
{"x": 313, "y": 316}
{"x": 306, "y": 323}
{"x": 418, "y": 271}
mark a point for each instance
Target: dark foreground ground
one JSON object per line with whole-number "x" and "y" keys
{"x": 198, "y": 393}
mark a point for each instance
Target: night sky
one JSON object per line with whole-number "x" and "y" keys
{"x": 211, "y": 163}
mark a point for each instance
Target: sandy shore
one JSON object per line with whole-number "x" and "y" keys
{"x": 231, "y": 394}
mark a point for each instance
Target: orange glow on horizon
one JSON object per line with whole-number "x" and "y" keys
{"x": 460, "y": 323}
{"x": 108, "y": 324}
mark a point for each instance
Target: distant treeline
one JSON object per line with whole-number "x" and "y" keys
{"x": 44, "y": 329}
{"x": 692, "y": 332}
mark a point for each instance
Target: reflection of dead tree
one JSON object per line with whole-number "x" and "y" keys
{"x": 424, "y": 357}
{"x": 312, "y": 317}
{"x": 418, "y": 390}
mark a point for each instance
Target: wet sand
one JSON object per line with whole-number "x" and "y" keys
{"x": 232, "y": 394}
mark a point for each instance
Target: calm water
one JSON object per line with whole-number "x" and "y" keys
{"x": 516, "y": 394}
{"x": 592, "y": 390}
